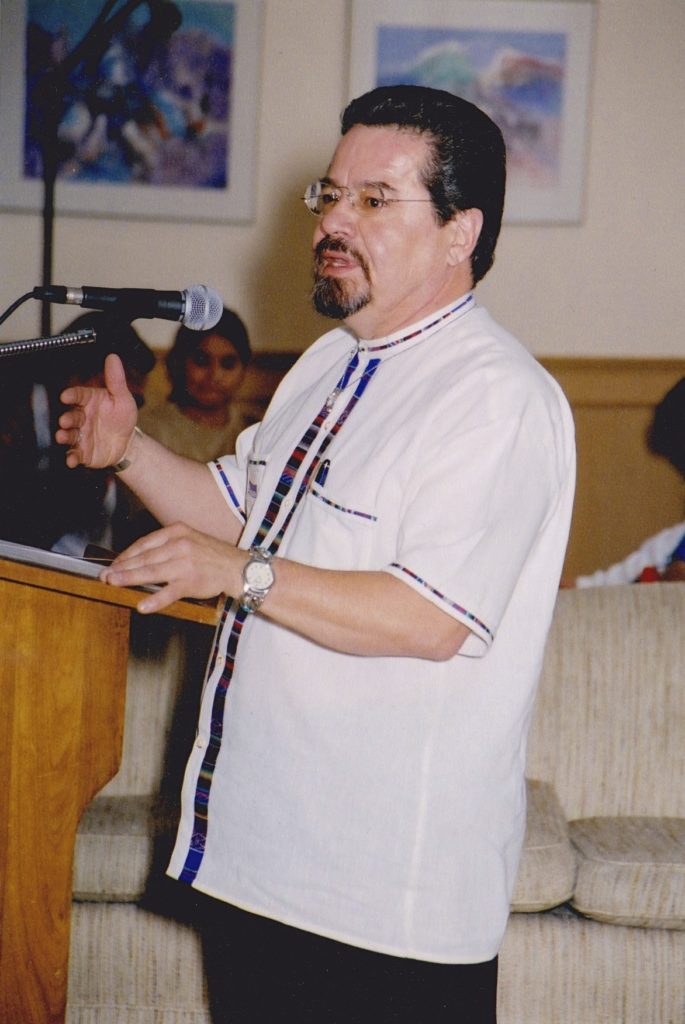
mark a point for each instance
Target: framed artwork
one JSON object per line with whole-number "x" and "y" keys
{"x": 525, "y": 62}
{"x": 160, "y": 123}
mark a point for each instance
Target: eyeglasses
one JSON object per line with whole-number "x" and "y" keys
{"x": 321, "y": 197}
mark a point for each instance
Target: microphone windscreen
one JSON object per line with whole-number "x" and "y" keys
{"x": 203, "y": 308}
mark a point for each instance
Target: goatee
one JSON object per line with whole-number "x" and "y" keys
{"x": 332, "y": 297}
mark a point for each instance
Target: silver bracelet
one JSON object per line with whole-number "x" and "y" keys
{"x": 125, "y": 462}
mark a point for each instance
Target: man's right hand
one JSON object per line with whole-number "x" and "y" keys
{"x": 100, "y": 422}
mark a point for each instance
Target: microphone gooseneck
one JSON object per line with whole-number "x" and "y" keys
{"x": 32, "y": 345}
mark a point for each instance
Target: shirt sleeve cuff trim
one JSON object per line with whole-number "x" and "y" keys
{"x": 226, "y": 488}
{"x": 469, "y": 618}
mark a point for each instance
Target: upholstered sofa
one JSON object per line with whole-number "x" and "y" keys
{"x": 597, "y": 932}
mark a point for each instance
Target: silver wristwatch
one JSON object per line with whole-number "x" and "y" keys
{"x": 258, "y": 575}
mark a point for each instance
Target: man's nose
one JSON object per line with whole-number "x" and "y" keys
{"x": 341, "y": 217}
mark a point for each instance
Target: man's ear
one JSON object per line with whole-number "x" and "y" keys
{"x": 465, "y": 228}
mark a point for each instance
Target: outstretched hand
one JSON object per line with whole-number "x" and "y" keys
{"x": 99, "y": 424}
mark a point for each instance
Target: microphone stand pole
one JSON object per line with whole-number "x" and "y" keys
{"x": 49, "y": 99}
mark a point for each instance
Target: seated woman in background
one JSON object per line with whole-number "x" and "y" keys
{"x": 661, "y": 557}
{"x": 205, "y": 368}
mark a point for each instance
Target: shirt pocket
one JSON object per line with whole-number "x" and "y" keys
{"x": 340, "y": 508}
{"x": 335, "y": 532}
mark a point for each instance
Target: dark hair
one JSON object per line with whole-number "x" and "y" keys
{"x": 468, "y": 166}
{"x": 113, "y": 334}
{"x": 187, "y": 342}
{"x": 667, "y": 432}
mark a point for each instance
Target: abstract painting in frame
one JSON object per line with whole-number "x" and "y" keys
{"x": 525, "y": 62}
{"x": 159, "y": 124}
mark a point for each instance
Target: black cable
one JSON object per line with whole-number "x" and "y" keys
{"x": 15, "y": 305}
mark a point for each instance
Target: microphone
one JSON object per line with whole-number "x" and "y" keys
{"x": 197, "y": 307}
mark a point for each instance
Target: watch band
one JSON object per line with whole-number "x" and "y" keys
{"x": 124, "y": 462}
{"x": 251, "y": 602}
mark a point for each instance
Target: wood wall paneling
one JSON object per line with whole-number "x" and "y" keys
{"x": 624, "y": 493}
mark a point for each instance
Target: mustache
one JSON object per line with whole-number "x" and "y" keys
{"x": 330, "y": 244}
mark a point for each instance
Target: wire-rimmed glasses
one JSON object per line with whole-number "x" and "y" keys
{"x": 368, "y": 199}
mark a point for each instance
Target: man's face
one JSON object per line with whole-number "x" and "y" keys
{"x": 383, "y": 270}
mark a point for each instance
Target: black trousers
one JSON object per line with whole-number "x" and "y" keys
{"x": 262, "y": 972}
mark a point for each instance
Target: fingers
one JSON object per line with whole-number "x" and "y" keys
{"x": 159, "y": 557}
{"x": 145, "y": 544}
{"x": 151, "y": 540}
{"x": 182, "y": 561}
{"x": 71, "y": 436}
{"x": 69, "y": 420}
{"x": 99, "y": 422}
{"x": 161, "y": 599}
{"x": 69, "y": 433}
{"x": 141, "y": 577}
{"x": 76, "y": 395}
{"x": 74, "y": 455}
{"x": 143, "y": 562}
{"x": 150, "y": 559}
{"x": 143, "y": 571}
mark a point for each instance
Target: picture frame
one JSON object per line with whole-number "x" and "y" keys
{"x": 527, "y": 63}
{"x": 189, "y": 156}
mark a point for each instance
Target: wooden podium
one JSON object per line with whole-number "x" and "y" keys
{"x": 63, "y": 663}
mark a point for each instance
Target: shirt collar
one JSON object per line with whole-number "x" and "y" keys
{"x": 420, "y": 330}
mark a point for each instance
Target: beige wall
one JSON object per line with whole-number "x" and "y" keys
{"x": 611, "y": 286}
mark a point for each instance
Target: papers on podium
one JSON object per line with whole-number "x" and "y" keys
{"x": 51, "y": 559}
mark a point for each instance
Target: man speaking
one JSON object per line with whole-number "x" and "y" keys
{"x": 391, "y": 538}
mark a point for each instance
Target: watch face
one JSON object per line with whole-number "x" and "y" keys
{"x": 258, "y": 575}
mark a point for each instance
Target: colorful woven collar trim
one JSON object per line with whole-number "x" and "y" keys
{"x": 461, "y": 307}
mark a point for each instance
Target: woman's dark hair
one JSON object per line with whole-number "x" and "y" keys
{"x": 468, "y": 165}
{"x": 667, "y": 432}
{"x": 187, "y": 342}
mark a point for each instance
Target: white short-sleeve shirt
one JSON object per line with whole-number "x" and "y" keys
{"x": 380, "y": 801}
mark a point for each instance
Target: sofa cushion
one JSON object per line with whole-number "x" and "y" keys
{"x": 631, "y": 870}
{"x": 114, "y": 848}
{"x": 547, "y": 869}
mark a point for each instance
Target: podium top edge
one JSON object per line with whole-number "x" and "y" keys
{"x": 88, "y": 588}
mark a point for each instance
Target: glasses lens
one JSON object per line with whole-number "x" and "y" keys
{"x": 311, "y": 196}
{"x": 320, "y": 196}
{"x": 370, "y": 199}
